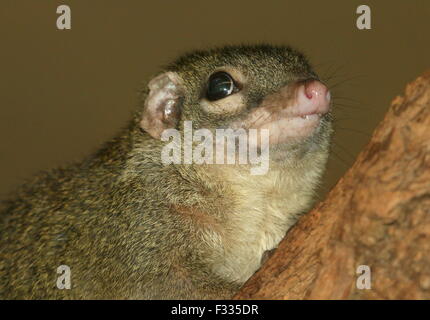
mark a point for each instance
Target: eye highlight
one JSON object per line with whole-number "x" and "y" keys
{"x": 220, "y": 85}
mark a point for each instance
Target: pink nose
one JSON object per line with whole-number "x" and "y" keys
{"x": 315, "y": 89}
{"x": 313, "y": 97}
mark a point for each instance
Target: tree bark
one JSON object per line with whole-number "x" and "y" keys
{"x": 377, "y": 215}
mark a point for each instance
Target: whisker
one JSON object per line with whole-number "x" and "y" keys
{"x": 354, "y": 130}
{"x": 340, "y": 159}
{"x": 344, "y": 150}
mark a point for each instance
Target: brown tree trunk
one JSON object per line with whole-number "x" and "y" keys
{"x": 377, "y": 215}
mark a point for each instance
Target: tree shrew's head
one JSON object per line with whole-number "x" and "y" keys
{"x": 261, "y": 87}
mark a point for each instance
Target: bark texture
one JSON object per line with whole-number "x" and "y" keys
{"x": 377, "y": 215}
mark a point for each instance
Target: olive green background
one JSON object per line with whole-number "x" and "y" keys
{"x": 64, "y": 92}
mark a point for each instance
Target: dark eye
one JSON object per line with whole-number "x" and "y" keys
{"x": 220, "y": 85}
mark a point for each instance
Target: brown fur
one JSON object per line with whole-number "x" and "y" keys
{"x": 130, "y": 227}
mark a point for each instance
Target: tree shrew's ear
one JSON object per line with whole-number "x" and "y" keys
{"x": 162, "y": 105}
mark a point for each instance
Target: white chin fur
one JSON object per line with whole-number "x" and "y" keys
{"x": 286, "y": 129}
